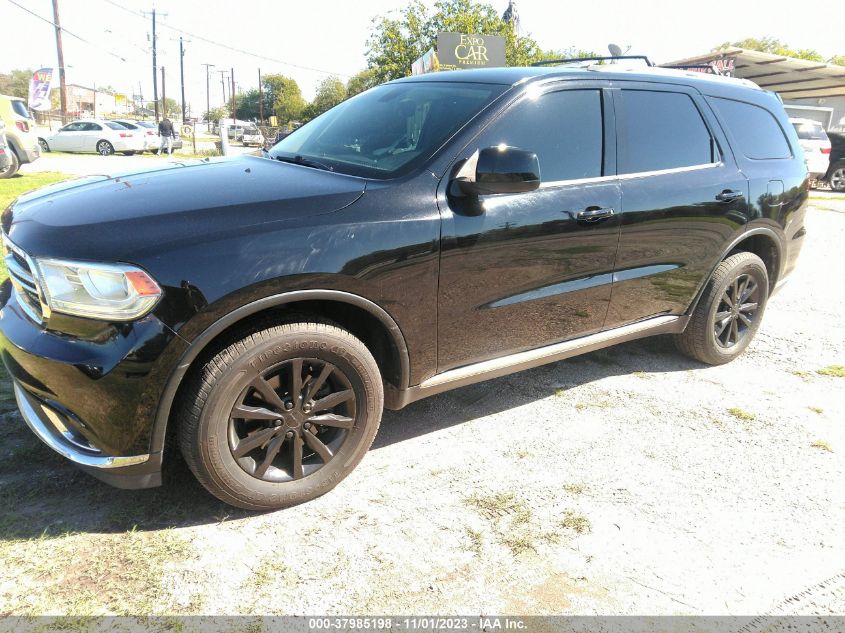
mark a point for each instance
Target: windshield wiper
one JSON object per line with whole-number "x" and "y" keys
{"x": 307, "y": 162}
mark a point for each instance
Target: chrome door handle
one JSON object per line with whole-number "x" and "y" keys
{"x": 729, "y": 195}
{"x": 594, "y": 214}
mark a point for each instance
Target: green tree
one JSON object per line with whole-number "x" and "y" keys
{"x": 16, "y": 83}
{"x": 396, "y": 42}
{"x": 774, "y": 46}
{"x": 330, "y": 92}
{"x": 284, "y": 97}
{"x": 361, "y": 81}
{"x": 837, "y": 59}
{"x": 247, "y": 103}
{"x": 215, "y": 114}
{"x": 172, "y": 107}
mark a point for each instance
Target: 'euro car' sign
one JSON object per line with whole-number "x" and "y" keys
{"x": 460, "y": 50}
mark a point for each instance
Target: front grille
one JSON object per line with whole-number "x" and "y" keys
{"x": 24, "y": 280}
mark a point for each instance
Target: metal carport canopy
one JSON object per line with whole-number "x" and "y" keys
{"x": 791, "y": 78}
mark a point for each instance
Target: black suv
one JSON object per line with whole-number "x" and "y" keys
{"x": 432, "y": 232}
{"x": 835, "y": 175}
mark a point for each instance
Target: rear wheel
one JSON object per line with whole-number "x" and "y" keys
{"x": 104, "y": 148}
{"x": 281, "y": 416}
{"x": 729, "y": 313}
{"x": 12, "y": 168}
{"x": 837, "y": 177}
{"x": 43, "y": 144}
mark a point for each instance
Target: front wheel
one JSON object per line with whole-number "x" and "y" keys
{"x": 44, "y": 146}
{"x": 104, "y": 148}
{"x": 729, "y": 312}
{"x": 281, "y": 416}
{"x": 14, "y": 165}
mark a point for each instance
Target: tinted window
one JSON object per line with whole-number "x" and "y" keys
{"x": 114, "y": 125}
{"x": 91, "y": 127}
{"x": 388, "y": 130}
{"x": 20, "y": 108}
{"x": 662, "y": 130}
{"x": 127, "y": 125}
{"x": 72, "y": 127}
{"x": 755, "y": 129}
{"x": 563, "y": 128}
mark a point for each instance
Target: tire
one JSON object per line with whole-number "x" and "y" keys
{"x": 231, "y": 455}
{"x": 104, "y": 148}
{"x": 13, "y": 166}
{"x": 719, "y": 329}
{"x": 837, "y": 177}
{"x": 44, "y": 146}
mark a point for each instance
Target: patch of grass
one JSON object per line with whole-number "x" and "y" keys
{"x": 576, "y": 522}
{"x": 821, "y": 445}
{"x": 517, "y": 543}
{"x": 574, "y": 489}
{"x": 806, "y": 376}
{"x": 476, "y": 540}
{"x": 837, "y": 371}
{"x": 522, "y": 453}
{"x": 496, "y": 504}
{"x": 818, "y": 410}
{"x": 598, "y": 404}
{"x": 75, "y": 573}
{"x": 642, "y": 375}
{"x": 264, "y": 576}
{"x": 741, "y": 414}
{"x": 560, "y": 392}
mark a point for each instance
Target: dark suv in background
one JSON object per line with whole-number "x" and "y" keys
{"x": 835, "y": 175}
{"x": 432, "y": 232}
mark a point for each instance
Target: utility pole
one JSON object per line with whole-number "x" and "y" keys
{"x": 223, "y": 74}
{"x": 182, "y": 75}
{"x": 234, "y": 100}
{"x": 61, "y": 55}
{"x": 163, "y": 96}
{"x": 155, "y": 68}
{"x": 208, "y": 67}
{"x": 260, "y": 100}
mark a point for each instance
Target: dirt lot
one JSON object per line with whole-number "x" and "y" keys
{"x": 626, "y": 481}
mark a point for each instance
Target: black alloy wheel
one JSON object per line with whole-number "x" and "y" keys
{"x": 290, "y": 421}
{"x": 736, "y": 311}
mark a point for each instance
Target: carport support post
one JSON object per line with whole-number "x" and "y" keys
{"x": 224, "y": 138}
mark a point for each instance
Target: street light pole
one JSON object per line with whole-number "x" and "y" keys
{"x": 208, "y": 67}
{"x": 155, "y": 68}
{"x": 182, "y": 75}
{"x": 260, "y": 100}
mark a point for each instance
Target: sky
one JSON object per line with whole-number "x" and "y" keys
{"x": 313, "y": 39}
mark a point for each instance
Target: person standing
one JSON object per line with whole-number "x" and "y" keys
{"x": 165, "y": 131}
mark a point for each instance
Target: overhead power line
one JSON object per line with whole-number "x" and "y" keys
{"x": 226, "y": 46}
{"x": 64, "y": 30}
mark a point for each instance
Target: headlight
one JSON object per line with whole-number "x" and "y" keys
{"x": 113, "y": 292}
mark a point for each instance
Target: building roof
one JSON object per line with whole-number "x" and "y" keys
{"x": 790, "y": 77}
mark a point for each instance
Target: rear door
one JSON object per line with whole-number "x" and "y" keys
{"x": 534, "y": 268}
{"x": 91, "y": 133}
{"x": 683, "y": 199}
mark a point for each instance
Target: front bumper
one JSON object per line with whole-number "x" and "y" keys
{"x": 90, "y": 390}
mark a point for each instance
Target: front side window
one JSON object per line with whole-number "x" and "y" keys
{"x": 662, "y": 130}
{"x": 563, "y": 128}
{"x": 388, "y": 130}
{"x": 72, "y": 127}
{"x": 755, "y": 129}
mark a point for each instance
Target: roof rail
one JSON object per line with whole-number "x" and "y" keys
{"x": 553, "y": 62}
{"x": 707, "y": 68}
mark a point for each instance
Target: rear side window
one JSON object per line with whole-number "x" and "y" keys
{"x": 662, "y": 130}
{"x": 115, "y": 126}
{"x": 563, "y": 128}
{"x": 755, "y": 129}
{"x": 20, "y": 108}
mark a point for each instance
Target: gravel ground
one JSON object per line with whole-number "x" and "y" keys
{"x": 626, "y": 481}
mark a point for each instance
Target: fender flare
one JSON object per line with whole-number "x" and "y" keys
{"x": 198, "y": 344}
{"x": 757, "y": 230}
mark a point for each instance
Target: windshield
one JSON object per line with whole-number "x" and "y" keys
{"x": 810, "y": 131}
{"x": 388, "y": 130}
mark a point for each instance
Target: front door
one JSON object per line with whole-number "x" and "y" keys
{"x": 67, "y": 139}
{"x": 534, "y": 268}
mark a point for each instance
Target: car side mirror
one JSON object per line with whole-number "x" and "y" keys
{"x": 500, "y": 169}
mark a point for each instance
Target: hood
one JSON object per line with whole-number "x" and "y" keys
{"x": 115, "y": 217}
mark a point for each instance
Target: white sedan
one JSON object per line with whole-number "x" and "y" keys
{"x": 94, "y": 135}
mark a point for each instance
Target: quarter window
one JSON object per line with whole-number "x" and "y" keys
{"x": 757, "y": 132}
{"x": 662, "y": 130}
{"x": 563, "y": 128}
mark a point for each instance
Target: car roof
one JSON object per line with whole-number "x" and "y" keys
{"x": 514, "y": 75}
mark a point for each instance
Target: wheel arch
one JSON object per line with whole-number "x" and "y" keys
{"x": 764, "y": 242}
{"x": 362, "y": 317}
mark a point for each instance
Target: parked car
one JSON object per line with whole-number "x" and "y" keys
{"x": 21, "y": 141}
{"x": 5, "y": 159}
{"x": 153, "y": 141}
{"x": 429, "y": 233}
{"x": 95, "y": 135}
{"x": 816, "y": 146}
{"x": 252, "y": 136}
{"x": 835, "y": 176}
